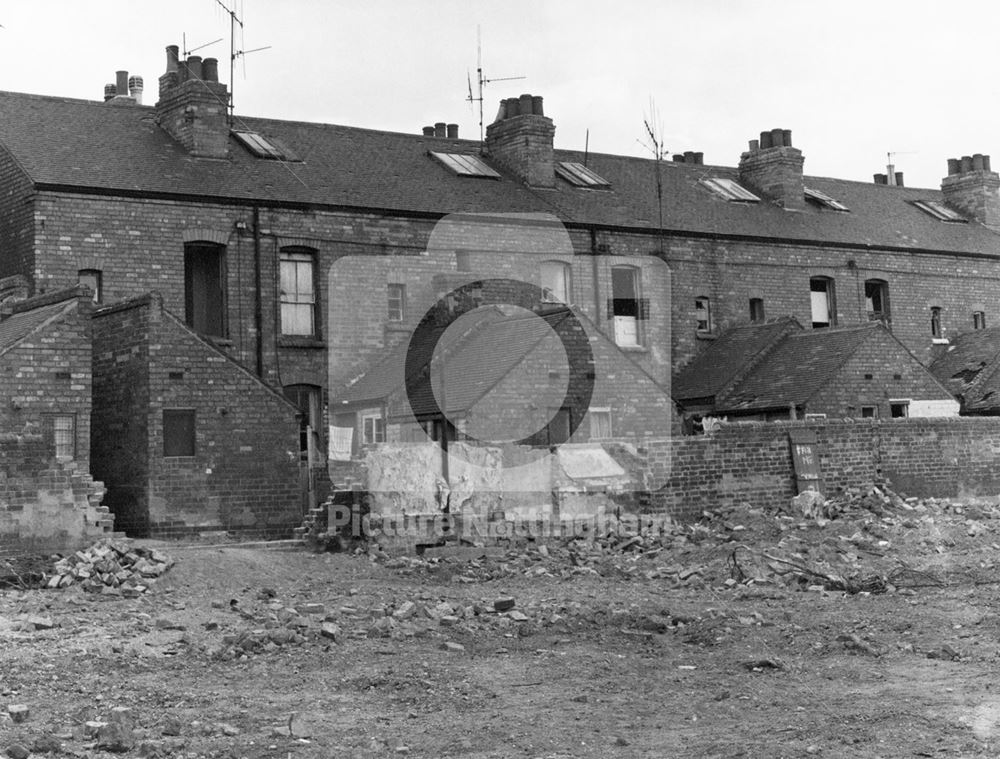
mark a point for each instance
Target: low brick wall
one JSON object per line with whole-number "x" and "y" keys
{"x": 956, "y": 457}
{"x": 45, "y": 504}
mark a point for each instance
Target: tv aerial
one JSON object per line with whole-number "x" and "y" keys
{"x": 481, "y": 80}
{"x": 234, "y": 53}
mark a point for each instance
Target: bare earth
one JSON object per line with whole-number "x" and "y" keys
{"x": 610, "y": 653}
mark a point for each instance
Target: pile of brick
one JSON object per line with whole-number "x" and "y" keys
{"x": 112, "y": 568}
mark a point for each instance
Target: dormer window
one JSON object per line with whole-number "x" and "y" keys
{"x": 262, "y": 147}
{"x": 466, "y": 165}
{"x": 824, "y": 200}
{"x": 729, "y": 189}
{"x": 579, "y": 175}
{"x": 939, "y": 211}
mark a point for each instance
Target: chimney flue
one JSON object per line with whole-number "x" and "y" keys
{"x": 428, "y": 131}
{"x": 121, "y": 83}
{"x": 135, "y": 88}
{"x": 453, "y": 131}
{"x": 109, "y": 92}
{"x": 210, "y": 69}
{"x": 899, "y": 179}
{"x": 194, "y": 67}
{"x": 440, "y": 129}
{"x": 954, "y": 166}
{"x": 173, "y": 58}
{"x": 881, "y": 179}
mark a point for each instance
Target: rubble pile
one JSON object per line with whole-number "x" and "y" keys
{"x": 110, "y": 568}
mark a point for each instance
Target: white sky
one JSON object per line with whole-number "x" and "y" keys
{"x": 852, "y": 79}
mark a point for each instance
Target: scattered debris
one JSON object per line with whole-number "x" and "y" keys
{"x": 110, "y": 568}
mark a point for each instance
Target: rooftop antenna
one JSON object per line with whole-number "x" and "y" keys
{"x": 188, "y": 52}
{"x": 481, "y": 80}
{"x": 234, "y": 53}
{"x": 890, "y": 168}
{"x": 654, "y": 133}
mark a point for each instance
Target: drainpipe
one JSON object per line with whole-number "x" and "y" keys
{"x": 599, "y": 315}
{"x": 258, "y": 315}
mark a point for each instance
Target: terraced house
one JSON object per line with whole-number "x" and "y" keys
{"x": 241, "y": 227}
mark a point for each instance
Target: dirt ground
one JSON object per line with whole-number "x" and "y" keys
{"x": 607, "y": 652}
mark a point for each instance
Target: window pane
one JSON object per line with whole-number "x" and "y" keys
{"x": 555, "y": 281}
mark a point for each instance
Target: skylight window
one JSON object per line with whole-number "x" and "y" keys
{"x": 939, "y": 211}
{"x": 729, "y": 189}
{"x": 466, "y": 165}
{"x": 262, "y": 147}
{"x": 825, "y": 200}
{"x": 579, "y": 175}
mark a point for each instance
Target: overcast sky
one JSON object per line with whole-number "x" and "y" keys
{"x": 853, "y": 80}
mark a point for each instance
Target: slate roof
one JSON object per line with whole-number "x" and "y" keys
{"x": 970, "y": 369}
{"x": 93, "y": 146}
{"x": 723, "y": 359}
{"x": 18, "y": 326}
{"x": 796, "y": 369}
{"x": 491, "y": 344}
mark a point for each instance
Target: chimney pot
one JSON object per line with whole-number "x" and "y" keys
{"x": 881, "y": 179}
{"x": 689, "y": 156}
{"x": 777, "y": 138}
{"x": 440, "y": 129}
{"x": 986, "y": 163}
{"x": 194, "y": 67}
{"x": 172, "y": 58}
{"x": 428, "y": 131}
{"x": 109, "y": 92}
{"x": 121, "y": 84}
{"x": 452, "y": 131}
{"x": 513, "y": 107}
{"x": 699, "y": 158}
{"x": 524, "y": 105}
{"x": 210, "y": 69}
{"x": 536, "y": 105}
{"x": 786, "y": 137}
{"x": 754, "y": 146}
{"x": 899, "y": 179}
{"x": 954, "y": 166}
{"x": 765, "y": 140}
{"x": 977, "y": 162}
{"x": 135, "y": 88}
{"x": 678, "y": 158}
{"x": 966, "y": 164}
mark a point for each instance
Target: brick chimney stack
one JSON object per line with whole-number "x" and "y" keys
{"x": 774, "y": 168}
{"x": 193, "y": 104}
{"x": 973, "y": 189}
{"x": 521, "y": 138}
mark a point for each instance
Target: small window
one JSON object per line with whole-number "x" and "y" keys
{"x": 373, "y": 429}
{"x": 939, "y": 211}
{"x": 466, "y": 165}
{"x": 178, "y": 432}
{"x": 899, "y": 409}
{"x": 397, "y": 302}
{"x": 298, "y": 292}
{"x": 60, "y": 431}
{"x": 869, "y": 412}
{"x": 91, "y": 279}
{"x": 877, "y": 301}
{"x": 822, "y": 199}
{"x": 936, "y": 322}
{"x": 979, "y": 320}
{"x": 757, "y": 310}
{"x": 729, "y": 189}
{"x": 703, "y": 314}
{"x": 579, "y": 175}
{"x": 600, "y": 423}
{"x": 556, "y": 279}
{"x": 823, "y": 305}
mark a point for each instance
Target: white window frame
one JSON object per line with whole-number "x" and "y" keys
{"x": 396, "y": 305}
{"x": 560, "y": 274}
{"x": 370, "y": 435}
{"x": 627, "y": 330}
{"x": 596, "y": 415}
{"x": 298, "y": 296}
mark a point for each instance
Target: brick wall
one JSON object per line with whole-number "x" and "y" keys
{"x": 244, "y": 474}
{"x": 752, "y": 461}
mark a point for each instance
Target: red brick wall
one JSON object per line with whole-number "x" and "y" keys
{"x": 752, "y": 461}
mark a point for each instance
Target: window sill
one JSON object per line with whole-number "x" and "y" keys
{"x": 939, "y": 341}
{"x": 222, "y": 342}
{"x": 300, "y": 341}
{"x": 633, "y": 348}
{"x": 397, "y": 327}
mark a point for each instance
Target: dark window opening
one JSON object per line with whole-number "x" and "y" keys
{"x": 979, "y": 320}
{"x": 877, "y": 301}
{"x": 178, "y": 432}
{"x": 91, "y": 279}
{"x": 757, "y": 310}
{"x": 204, "y": 288}
{"x": 822, "y": 302}
{"x": 899, "y": 409}
{"x": 869, "y": 412}
{"x": 936, "y": 322}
